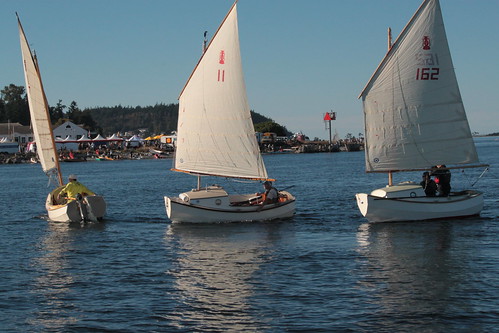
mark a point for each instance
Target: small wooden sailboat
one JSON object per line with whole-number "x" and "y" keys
{"x": 90, "y": 208}
{"x": 415, "y": 119}
{"x": 215, "y": 137}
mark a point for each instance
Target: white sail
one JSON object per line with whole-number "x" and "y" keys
{"x": 414, "y": 115}
{"x": 215, "y": 134}
{"x": 38, "y": 108}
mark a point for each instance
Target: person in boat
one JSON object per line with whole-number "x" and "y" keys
{"x": 429, "y": 185}
{"x": 73, "y": 189}
{"x": 442, "y": 179}
{"x": 270, "y": 196}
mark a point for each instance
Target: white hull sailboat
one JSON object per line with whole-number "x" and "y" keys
{"x": 215, "y": 137}
{"x": 213, "y": 204}
{"x": 89, "y": 208}
{"x": 415, "y": 120}
{"x": 407, "y": 202}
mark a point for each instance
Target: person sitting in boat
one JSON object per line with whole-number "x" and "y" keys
{"x": 270, "y": 196}
{"x": 442, "y": 179}
{"x": 73, "y": 189}
{"x": 429, "y": 186}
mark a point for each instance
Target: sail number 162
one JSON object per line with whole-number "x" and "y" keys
{"x": 428, "y": 73}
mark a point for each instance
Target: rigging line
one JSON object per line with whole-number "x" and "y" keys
{"x": 237, "y": 180}
{"x": 231, "y": 184}
{"x": 52, "y": 181}
{"x": 484, "y": 171}
{"x": 467, "y": 178}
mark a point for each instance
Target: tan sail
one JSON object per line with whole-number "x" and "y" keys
{"x": 215, "y": 134}
{"x": 414, "y": 114}
{"x": 38, "y": 107}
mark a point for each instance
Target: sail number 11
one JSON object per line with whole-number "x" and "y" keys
{"x": 427, "y": 73}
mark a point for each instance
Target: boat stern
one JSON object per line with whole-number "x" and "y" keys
{"x": 96, "y": 207}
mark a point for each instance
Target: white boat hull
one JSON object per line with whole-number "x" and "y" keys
{"x": 402, "y": 204}
{"x": 90, "y": 208}
{"x": 213, "y": 205}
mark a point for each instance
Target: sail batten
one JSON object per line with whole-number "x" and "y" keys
{"x": 38, "y": 107}
{"x": 413, "y": 111}
{"x": 215, "y": 133}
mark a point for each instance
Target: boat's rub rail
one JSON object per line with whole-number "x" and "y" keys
{"x": 464, "y": 194}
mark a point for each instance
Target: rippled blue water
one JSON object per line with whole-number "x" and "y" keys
{"x": 325, "y": 270}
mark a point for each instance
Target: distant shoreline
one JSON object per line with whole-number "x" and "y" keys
{"x": 484, "y": 135}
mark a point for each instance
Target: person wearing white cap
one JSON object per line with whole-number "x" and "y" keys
{"x": 73, "y": 189}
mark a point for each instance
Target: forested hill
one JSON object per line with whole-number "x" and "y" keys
{"x": 160, "y": 118}
{"x": 157, "y": 119}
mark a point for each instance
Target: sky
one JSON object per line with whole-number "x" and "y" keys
{"x": 300, "y": 58}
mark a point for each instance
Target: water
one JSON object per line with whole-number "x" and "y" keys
{"x": 325, "y": 270}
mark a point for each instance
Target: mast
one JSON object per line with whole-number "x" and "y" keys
{"x": 389, "y": 38}
{"x": 207, "y": 47}
{"x": 390, "y": 173}
{"x": 54, "y": 147}
{"x": 204, "y": 42}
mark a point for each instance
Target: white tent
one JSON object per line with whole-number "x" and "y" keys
{"x": 114, "y": 137}
{"x": 84, "y": 139}
{"x": 135, "y": 141}
{"x": 135, "y": 138}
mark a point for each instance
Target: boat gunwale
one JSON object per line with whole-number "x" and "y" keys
{"x": 469, "y": 194}
{"x": 179, "y": 201}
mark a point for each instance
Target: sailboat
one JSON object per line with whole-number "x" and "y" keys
{"x": 415, "y": 120}
{"x": 88, "y": 208}
{"x": 215, "y": 137}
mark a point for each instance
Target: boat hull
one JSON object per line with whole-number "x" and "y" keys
{"x": 200, "y": 211}
{"x": 90, "y": 208}
{"x": 417, "y": 208}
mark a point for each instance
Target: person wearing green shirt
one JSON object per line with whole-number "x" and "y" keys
{"x": 73, "y": 188}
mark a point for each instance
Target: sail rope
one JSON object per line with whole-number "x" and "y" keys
{"x": 52, "y": 175}
{"x": 236, "y": 180}
{"x": 481, "y": 175}
{"x": 471, "y": 184}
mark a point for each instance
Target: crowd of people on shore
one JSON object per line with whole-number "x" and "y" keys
{"x": 88, "y": 153}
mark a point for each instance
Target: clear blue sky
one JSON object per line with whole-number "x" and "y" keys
{"x": 300, "y": 58}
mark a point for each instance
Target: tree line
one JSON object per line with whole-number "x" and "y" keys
{"x": 14, "y": 108}
{"x": 156, "y": 119}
